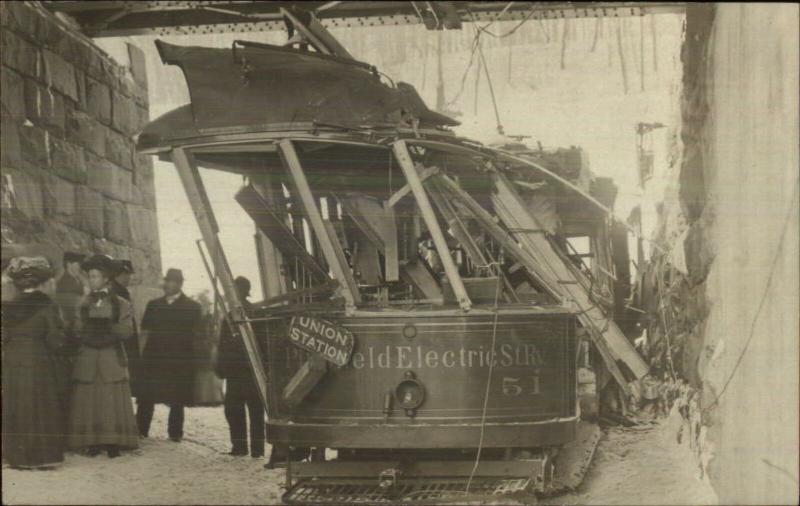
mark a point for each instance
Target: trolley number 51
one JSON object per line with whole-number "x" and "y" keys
{"x": 525, "y": 385}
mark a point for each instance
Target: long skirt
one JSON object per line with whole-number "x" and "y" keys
{"x": 33, "y": 415}
{"x": 102, "y": 414}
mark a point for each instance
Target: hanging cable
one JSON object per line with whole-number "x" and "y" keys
{"x": 487, "y": 392}
{"x": 496, "y": 18}
{"x": 476, "y": 41}
{"x": 762, "y": 302}
{"x": 491, "y": 91}
{"x": 478, "y": 32}
{"x": 524, "y": 20}
{"x": 474, "y": 48}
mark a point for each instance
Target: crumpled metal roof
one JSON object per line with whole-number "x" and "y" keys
{"x": 267, "y": 86}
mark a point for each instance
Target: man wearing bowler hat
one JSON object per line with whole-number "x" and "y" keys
{"x": 241, "y": 391}
{"x": 170, "y": 326}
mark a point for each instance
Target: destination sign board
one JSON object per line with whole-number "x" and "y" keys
{"x": 331, "y": 342}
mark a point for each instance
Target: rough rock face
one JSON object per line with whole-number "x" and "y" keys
{"x": 736, "y": 294}
{"x": 70, "y": 177}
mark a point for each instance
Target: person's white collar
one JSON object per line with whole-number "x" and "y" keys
{"x": 172, "y": 298}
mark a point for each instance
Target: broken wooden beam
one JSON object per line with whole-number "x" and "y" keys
{"x": 341, "y": 271}
{"x": 603, "y": 329}
{"x": 304, "y": 380}
{"x": 412, "y": 177}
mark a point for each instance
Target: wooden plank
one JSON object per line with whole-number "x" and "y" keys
{"x": 341, "y": 271}
{"x": 461, "y": 234}
{"x": 512, "y": 211}
{"x": 416, "y": 275}
{"x": 341, "y": 259}
{"x": 410, "y": 172}
{"x": 534, "y": 266}
{"x": 370, "y": 217}
{"x": 364, "y": 212}
{"x": 391, "y": 262}
{"x": 365, "y": 259}
{"x": 560, "y": 286}
{"x": 304, "y": 380}
{"x": 505, "y": 240}
{"x": 275, "y": 228}
{"x": 273, "y": 282}
{"x": 378, "y": 223}
{"x": 424, "y": 174}
{"x": 192, "y": 184}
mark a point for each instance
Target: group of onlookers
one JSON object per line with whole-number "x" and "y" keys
{"x": 73, "y": 357}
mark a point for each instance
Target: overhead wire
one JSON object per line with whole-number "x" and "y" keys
{"x": 491, "y": 90}
{"x": 510, "y": 32}
{"x": 475, "y": 44}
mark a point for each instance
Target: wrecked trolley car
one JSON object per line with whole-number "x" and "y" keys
{"x": 422, "y": 304}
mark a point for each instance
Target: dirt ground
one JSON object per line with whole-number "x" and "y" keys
{"x": 630, "y": 467}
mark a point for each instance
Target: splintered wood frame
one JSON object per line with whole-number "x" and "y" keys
{"x": 444, "y": 207}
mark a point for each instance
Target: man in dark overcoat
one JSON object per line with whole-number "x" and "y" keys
{"x": 119, "y": 285}
{"x": 241, "y": 391}
{"x": 170, "y": 326}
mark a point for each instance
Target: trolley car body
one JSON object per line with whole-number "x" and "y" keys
{"x": 409, "y": 322}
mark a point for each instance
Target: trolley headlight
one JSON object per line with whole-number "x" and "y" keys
{"x": 409, "y": 393}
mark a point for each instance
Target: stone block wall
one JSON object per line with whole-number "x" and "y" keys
{"x": 71, "y": 179}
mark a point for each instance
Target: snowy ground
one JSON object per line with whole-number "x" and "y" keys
{"x": 630, "y": 467}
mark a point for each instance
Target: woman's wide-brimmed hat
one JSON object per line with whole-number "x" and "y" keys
{"x": 28, "y": 272}
{"x": 103, "y": 263}
{"x": 124, "y": 266}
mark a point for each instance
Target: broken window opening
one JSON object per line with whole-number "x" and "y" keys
{"x": 376, "y": 230}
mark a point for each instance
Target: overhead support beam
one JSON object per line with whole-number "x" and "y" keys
{"x": 198, "y": 200}
{"x": 335, "y": 260}
{"x": 412, "y": 178}
{"x": 165, "y": 18}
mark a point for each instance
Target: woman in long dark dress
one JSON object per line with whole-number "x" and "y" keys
{"x": 34, "y": 422}
{"x": 101, "y": 415}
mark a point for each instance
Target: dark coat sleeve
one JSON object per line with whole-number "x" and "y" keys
{"x": 122, "y": 328}
{"x": 227, "y": 351}
{"x": 199, "y": 328}
{"x": 55, "y": 339}
{"x": 147, "y": 318}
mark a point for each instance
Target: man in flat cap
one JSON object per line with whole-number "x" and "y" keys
{"x": 119, "y": 285}
{"x": 170, "y": 326}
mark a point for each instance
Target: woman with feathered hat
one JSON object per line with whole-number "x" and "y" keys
{"x": 33, "y": 414}
{"x": 101, "y": 416}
